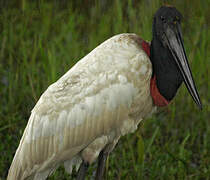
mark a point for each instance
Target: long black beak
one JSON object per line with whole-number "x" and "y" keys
{"x": 175, "y": 43}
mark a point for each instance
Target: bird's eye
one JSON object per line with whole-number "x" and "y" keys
{"x": 178, "y": 19}
{"x": 163, "y": 19}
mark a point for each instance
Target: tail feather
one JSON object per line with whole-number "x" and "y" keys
{"x": 16, "y": 170}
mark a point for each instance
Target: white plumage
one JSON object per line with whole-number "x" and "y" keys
{"x": 104, "y": 96}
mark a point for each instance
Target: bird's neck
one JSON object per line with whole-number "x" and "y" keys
{"x": 166, "y": 76}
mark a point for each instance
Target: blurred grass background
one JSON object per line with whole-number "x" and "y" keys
{"x": 40, "y": 40}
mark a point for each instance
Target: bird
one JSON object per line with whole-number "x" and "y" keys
{"x": 80, "y": 118}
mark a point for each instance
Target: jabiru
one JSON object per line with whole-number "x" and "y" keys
{"x": 104, "y": 96}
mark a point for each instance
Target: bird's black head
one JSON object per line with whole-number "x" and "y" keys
{"x": 166, "y": 17}
{"x": 168, "y": 55}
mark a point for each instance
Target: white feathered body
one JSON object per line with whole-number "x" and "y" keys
{"x": 104, "y": 96}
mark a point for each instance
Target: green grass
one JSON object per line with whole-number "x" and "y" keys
{"x": 40, "y": 42}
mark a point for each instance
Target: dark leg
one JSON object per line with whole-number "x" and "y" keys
{"x": 82, "y": 170}
{"x": 101, "y": 165}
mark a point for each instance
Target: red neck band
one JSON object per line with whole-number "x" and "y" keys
{"x": 158, "y": 99}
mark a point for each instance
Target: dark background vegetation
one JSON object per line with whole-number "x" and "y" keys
{"x": 41, "y": 40}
